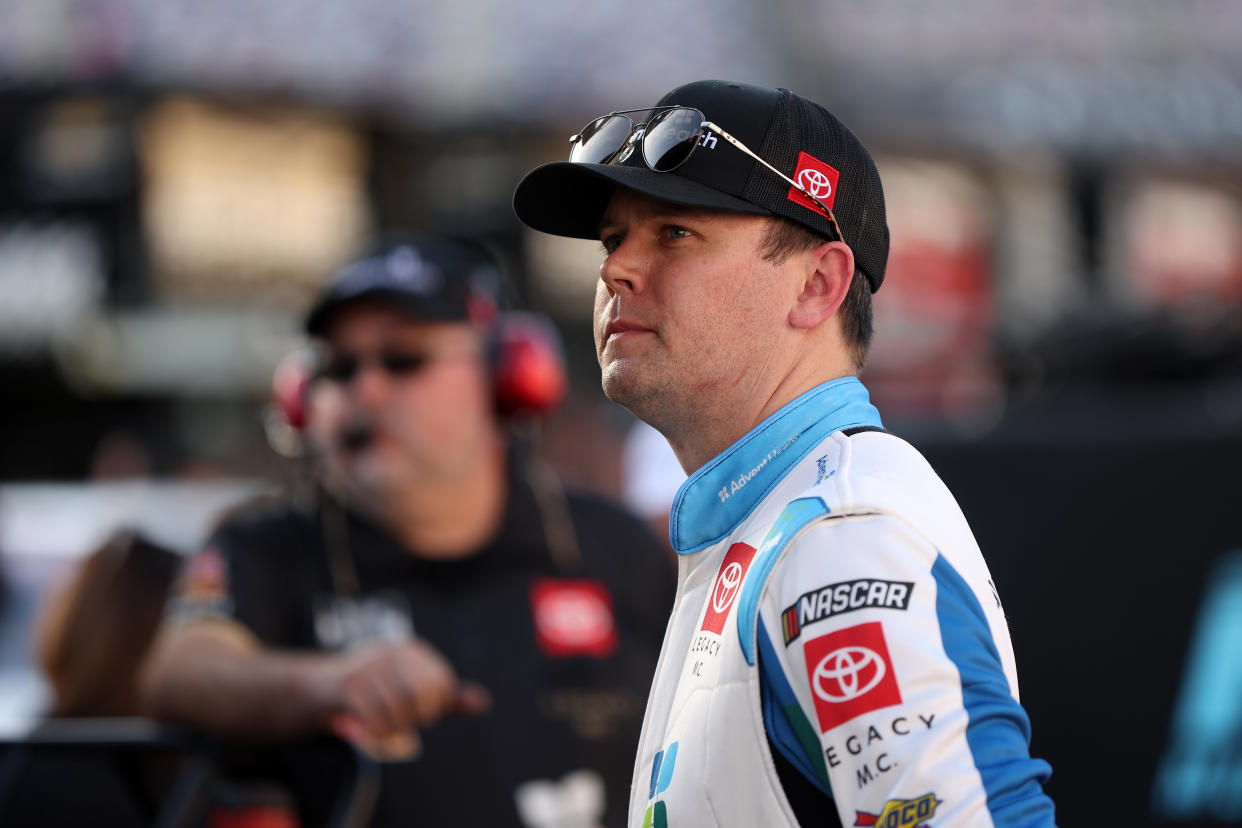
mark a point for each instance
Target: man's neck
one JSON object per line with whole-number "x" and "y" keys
{"x": 702, "y": 435}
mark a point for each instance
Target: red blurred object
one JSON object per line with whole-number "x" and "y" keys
{"x": 252, "y": 804}
{"x": 573, "y": 617}
{"x": 528, "y": 365}
{"x": 256, "y": 816}
{"x": 289, "y": 383}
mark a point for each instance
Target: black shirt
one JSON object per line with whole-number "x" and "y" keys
{"x": 566, "y": 645}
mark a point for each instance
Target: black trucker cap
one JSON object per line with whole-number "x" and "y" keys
{"x": 796, "y": 136}
{"x": 433, "y": 279}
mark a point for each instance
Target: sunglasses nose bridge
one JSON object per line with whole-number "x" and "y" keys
{"x": 349, "y": 370}
{"x": 632, "y": 141}
{"x": 367, "y": 369}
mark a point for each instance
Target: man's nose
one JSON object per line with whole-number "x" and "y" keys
{"x": 624, "y": 269}
{"x": 370, "y": 382}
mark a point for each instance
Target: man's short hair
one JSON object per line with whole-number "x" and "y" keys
{"x": 783, "y": 239}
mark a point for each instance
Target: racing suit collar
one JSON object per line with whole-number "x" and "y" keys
{"x": 719, "y": 496}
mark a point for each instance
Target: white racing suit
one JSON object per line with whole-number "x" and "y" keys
{"x": 832, "y": 602}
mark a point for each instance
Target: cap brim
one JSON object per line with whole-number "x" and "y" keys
{"x": 569, "y": 199}
{"x": 418, "y": 308}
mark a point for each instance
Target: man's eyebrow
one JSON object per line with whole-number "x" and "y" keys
{"x": 658, "y": 209}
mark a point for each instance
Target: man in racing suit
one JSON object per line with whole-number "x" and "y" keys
{"x": 837, "y": 653}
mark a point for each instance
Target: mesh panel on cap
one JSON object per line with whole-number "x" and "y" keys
{"x": 801, "y": 126}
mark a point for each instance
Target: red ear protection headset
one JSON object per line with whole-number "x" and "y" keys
{"x": 285, "y": 417}
{"x": 291, "y": 384}
{"x": 526, "y": 358}
{"x": 528, "y": 365}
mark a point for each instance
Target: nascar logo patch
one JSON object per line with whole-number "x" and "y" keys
{"x": 839, "y": 598}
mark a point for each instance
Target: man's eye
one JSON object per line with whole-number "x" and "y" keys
{"x": 611, "y": 243}
{"x": 675, "y": 232}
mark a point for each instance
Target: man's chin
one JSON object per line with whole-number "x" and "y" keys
{"x": 620, "y": 385}
{"x": 369, "y": 475}
{"x": 625, "y": 388}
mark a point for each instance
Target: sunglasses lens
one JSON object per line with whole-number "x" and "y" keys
{"x": 670, "y": 138}
{"x": 600, "y": 139}
{"x": 339, "y": 369}
{"x": 402, "y": 364}
{"x": 344, "y": 367}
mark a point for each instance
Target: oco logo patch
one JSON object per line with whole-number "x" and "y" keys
{"x": 902, "y": 813}
{"x": 850, "y": 673}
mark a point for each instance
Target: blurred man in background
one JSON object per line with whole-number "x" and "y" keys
{"x": 838, "y": 653}
{"x": 441, "y": 601}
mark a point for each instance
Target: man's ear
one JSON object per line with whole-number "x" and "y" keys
{"x": 829, "y": 270}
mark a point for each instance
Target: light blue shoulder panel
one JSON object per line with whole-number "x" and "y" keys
{"x": 796, "y": 515}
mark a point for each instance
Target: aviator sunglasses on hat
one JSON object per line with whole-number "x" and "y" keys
{"x": 667, "y": 141}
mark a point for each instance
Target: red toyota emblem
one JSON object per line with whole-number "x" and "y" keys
{"x": 726, "y": 586}
{"x": 819, "y": 179}
{"x": 573, "y": 617}
{"x": 850, "y": 673}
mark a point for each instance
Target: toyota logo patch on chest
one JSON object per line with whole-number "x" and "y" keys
{"x": 850, "y": 673}
{"x": 726, "y": 587}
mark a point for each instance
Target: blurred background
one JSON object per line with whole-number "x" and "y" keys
{"x": 1060, "y": 330}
